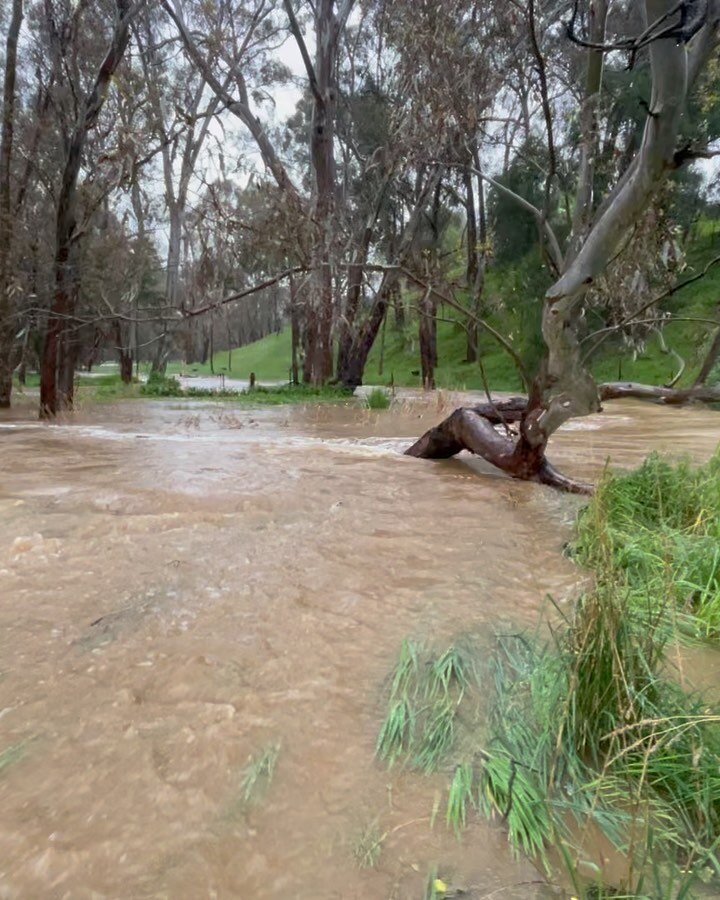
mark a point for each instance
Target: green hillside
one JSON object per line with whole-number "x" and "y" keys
{"x": 514, "y": 312}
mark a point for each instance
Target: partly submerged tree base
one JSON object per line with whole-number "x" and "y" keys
{"x": 474, "y": 429}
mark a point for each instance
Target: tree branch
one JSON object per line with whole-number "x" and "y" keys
{"x": 302, "y": 46}
{"x": 269, "y": 282}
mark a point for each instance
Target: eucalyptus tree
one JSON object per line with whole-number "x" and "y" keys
{"x": 8, "y": 320}
{"x": 81, "y": 117}
{"x": 679, "y": 39}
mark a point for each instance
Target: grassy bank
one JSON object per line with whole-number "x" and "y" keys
{"x": 169, "y": 386}
{"x": 107, "y": 388}
{"x": 598, "y": 764}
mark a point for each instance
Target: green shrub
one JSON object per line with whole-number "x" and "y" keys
{"x": 378, "y": 398}
{"x": 159, "y": 385}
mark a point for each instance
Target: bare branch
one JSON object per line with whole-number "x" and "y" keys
{"x": 269, "y": 282}
{"x": 302, "y": 46}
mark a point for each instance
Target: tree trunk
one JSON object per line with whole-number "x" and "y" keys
{"x": 8, "y": 325}
{"x": 709, "y": 361}
{"x": 125, "y": 358}
{"x": 294, "y": 331}
{"x": 477, "y": 286}
{"x": 57, "y": 370}
{"x": 320, "y": 301}
{"x": 428, "y": 340}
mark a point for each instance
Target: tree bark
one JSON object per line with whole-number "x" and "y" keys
{"x": 7, "y": 306}
{"x": 477, "y": 287}
{"x": 320, "y": 300}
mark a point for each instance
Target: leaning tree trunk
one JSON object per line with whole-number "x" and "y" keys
{"x": 473, "y": 429}
{"x": 8, "y": 325}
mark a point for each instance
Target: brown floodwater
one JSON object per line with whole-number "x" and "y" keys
{"x": 183, "y": 584}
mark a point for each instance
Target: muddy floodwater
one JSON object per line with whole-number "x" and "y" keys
{"x": 185, "y": 584}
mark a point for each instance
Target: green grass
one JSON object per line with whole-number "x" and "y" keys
{"x": 658, "y": 530}
{"x": 169, "y": 386}
{"x": 378, "y": 398}
{"x": 270, "y": 359}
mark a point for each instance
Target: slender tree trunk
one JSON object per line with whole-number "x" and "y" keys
{"x": 294, "y": 331}
{"x": 8, "y": 325}
{"x": 477, "y": 286}
{"x": 428, "y": 351}
{"x": 381, "y": 361}
{"x": 471, "y": 231}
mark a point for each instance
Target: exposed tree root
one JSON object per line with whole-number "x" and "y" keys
{"x": 473, "y": 430}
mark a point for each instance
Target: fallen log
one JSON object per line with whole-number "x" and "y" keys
{"x": 618, "y": 390}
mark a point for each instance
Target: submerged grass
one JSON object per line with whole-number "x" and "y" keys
{"x": 12, "y": 754}
{"x": 258, "y": 773}
{"x": 586, "y": 739}
{"x": 427, "y": 690}
{"x": 368, "y": 846}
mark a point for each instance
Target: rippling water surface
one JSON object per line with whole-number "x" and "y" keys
{"x": 184, "y": 584}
